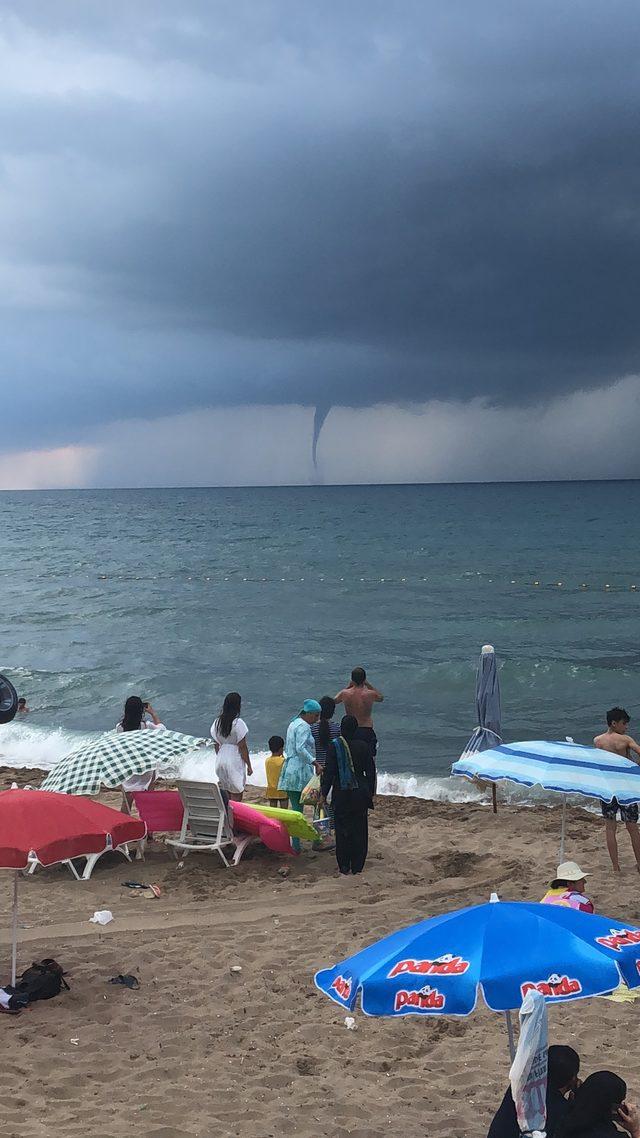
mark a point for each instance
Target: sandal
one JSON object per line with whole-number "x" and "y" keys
{"x": 128, "y": 981}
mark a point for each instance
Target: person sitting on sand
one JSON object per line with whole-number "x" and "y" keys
{"x": 229, "y": 733}
{"x": 138, "y": 716}
{"x": 22, "y": 706}
{"x": 568, "y": 889}
{"x": 616, "y": 740}
{"x": 273, "y": 769}
{"x": 562, "y": 1080}
{"x": 597, "y": 1106}
{"x": 358, "y": 698}
{"x": 349, "y": 774}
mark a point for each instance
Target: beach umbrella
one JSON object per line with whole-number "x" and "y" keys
{"x": 54, "y": 828}
{"x": 116, "y": 756}
{"x": 488, "y": 708}
{"x": 563, "y": 767}
{"x": 502, "y": 949}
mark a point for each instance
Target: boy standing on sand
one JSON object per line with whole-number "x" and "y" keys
{"x": 616, "y": 740}
{"x": 358, "y": 698}
{"x": 273, "y": 769}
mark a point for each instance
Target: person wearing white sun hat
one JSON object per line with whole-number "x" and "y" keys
{"x": 568, "y": 888}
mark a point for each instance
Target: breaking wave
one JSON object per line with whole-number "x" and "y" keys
{"x": 22, "y": 745}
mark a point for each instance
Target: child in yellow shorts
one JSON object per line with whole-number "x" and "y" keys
{"x": 273, "y": 766}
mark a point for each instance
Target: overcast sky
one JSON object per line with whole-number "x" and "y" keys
{"x": 418, "y": 221}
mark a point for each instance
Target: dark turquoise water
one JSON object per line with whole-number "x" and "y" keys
{"x": 182, "y": 595}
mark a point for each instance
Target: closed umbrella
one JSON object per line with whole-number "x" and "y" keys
{"x": 502, "y": 949}
{"x": 115, "y": 757}
{"x": 54, "y": 828}
{"x": 488, "y": 708}
{"x": 563, "y": 767}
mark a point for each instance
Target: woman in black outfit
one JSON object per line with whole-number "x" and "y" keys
{"x": 350, "y": 775}
{"x": 597, "y": 1103}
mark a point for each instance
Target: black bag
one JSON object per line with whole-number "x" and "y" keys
{"x": 42, "y": 981}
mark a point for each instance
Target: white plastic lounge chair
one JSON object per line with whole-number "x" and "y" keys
{"x": 205, "y": 825}
{"x": 90, "y": 862}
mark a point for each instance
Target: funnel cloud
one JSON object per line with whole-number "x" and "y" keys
{"x": 268, "y": 203}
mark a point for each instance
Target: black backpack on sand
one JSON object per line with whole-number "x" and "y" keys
{"x": 42, "y": 981}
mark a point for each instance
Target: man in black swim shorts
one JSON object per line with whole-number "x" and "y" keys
{"x": 610, "y": 811}
{"x": 616, "y": 740}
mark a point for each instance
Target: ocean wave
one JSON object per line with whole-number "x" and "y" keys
{"x": 22, "y": 745}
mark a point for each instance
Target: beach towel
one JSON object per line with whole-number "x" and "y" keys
{"x": 346, "y": 772}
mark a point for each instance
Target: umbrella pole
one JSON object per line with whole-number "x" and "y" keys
{"x": 564, "y": 819}
{"x": 512, "y": 1046}
{"x": 494, "y": 797}
{"x": 14, "y": 929}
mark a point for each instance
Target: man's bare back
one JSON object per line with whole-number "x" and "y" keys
{"x": 618, "y": 744}
{"x": 358, "y": 700}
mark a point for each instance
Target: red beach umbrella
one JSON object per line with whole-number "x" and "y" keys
{"x": 50, "y": 827}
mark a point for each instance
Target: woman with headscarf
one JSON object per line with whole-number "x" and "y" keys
{"x": 349, "y": 775}
{"x": 300, "y": 756}
{"x": 597, "y": 1106}
{"x": 563, "y": 1068}
{"x": 229, "y": 733}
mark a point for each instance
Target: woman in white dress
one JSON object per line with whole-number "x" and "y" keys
{"x": 229, "y": 733}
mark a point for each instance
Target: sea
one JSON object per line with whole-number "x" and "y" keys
{"x": 180, "y": 595}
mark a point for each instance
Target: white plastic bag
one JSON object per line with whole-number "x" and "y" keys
{"x": 101, "y": 917}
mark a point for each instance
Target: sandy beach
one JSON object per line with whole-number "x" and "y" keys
{"x": 200, "y": 1050}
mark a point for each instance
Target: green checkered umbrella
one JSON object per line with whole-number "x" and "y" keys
{"x": 115, "y": 756}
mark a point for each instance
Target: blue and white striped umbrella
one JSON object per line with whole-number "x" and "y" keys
{"x": 563, "y": 767}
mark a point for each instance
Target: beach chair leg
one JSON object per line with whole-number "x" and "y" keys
{"x": 222, "y": 855}
{"x": 88, "y": 869}
{"x": 240, "y": 848}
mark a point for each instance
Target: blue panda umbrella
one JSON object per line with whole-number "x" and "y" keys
{"x": 503, "y": 949}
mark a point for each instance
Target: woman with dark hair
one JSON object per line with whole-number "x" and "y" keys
{"x": 229, "y": 733}
{"x": 350, "y": 773}
{"x": 324, "y": 731}
{"x": 135, "y": 715}
{"x": 597, "y": 1106}
{"x": 134, "y": 718}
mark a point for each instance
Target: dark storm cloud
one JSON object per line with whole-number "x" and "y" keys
{"x": 320, "y": 203}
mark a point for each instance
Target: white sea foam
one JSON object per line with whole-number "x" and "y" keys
{"x": 24, "y": 745}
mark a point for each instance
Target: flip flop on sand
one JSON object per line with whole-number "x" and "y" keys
{"x": 128, "y": 981}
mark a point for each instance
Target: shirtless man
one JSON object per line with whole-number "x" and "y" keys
{"x": 358, "y": 698}
{"x": 616, "y": 740}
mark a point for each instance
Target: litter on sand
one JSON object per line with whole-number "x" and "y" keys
{"x": 101, "y": 917}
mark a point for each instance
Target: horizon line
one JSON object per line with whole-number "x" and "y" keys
{"x": 313, "y": 485}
